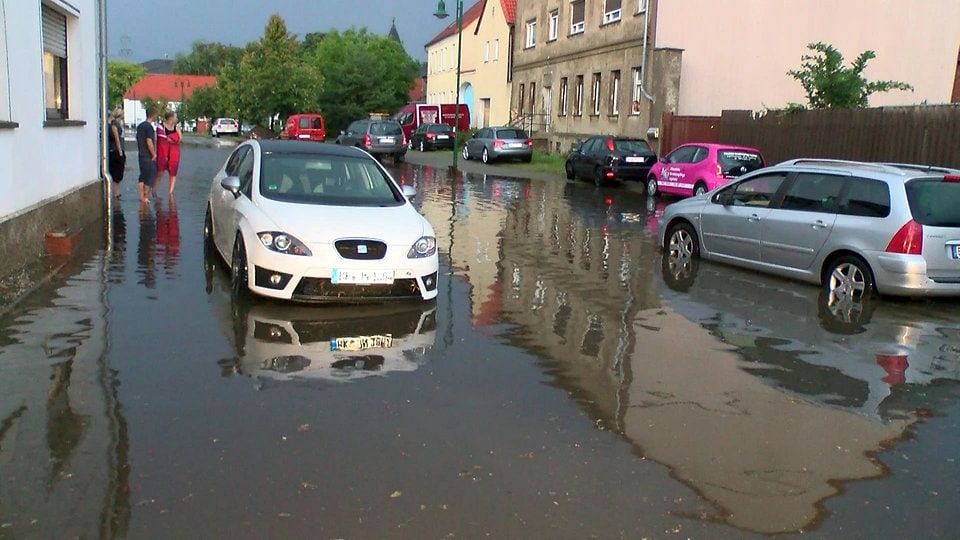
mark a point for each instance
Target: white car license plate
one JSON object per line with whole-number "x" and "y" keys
{"x": 635, "y": 159}
{"x": 361, "y": 343}
{"x": 387, "y": 140}
{"x": 955, "y": 252}
{"x": 443, "y": 137}
{"x": 362, "y": 277}
{"x": 515, "y": 145}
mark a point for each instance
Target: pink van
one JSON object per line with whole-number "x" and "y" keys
{"x": 696, "y": 168}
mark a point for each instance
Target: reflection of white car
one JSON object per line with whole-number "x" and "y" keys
{"x": 224, "y": 126}
{"x": 282, "y": 342}
{"x": 319, "y": 223}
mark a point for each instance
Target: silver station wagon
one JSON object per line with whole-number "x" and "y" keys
{"x": 856, "y": 228}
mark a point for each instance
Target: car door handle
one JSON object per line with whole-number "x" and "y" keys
{"x": 819, "y": 224}
{"x": 753, "y": 218}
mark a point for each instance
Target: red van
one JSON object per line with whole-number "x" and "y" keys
{"x": 304, "y": 127}
{"x": 412, "y": 115}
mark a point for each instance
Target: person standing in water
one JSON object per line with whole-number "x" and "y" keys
{"x": 168, "y": 148}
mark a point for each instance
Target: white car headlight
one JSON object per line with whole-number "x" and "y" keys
{"x": 426, "y": 246}
{"x": 283, "y": 243}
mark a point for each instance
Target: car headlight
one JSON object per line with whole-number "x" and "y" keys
{"x": 426, "y": 246}
{"x": 283, "y": 243}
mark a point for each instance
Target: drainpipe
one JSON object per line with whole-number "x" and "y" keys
{"x": 104, "y": 103}
{"x": 643, "y": 73}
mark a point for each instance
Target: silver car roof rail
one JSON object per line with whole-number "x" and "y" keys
{"x": 894, "y": 168}
{"x": 924, "y": 168}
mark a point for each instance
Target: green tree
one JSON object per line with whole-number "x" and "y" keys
{"x": 271, "y": 79}
{"x": 828, "y": 83}
{"x": 204, "y": 102}
{"x": 363, "y": 73}
{"x": 206, "y": 58}
{"x": 120, "y": 77}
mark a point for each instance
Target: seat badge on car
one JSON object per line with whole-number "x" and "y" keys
{"x": 362, "y": 249}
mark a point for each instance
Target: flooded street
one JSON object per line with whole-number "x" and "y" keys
{"x": 566, "y": 383}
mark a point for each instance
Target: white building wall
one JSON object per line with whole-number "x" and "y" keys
{"x": 736, "y": 53}
{"x": 37, "y": 163}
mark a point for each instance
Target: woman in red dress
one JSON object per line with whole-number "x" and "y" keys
{"x": 168, "y": 148}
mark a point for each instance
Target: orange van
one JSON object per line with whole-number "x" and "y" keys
{"x": 304, "y": 127}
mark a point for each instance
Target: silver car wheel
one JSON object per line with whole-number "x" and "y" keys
{"x": 850, "y": 280}
{"x": 682, "y": 244}
{"x": 651, "y": 186}
{"x": 466, "y": 153}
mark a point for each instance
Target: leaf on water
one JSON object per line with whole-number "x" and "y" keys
{"x": 395, "y": 494}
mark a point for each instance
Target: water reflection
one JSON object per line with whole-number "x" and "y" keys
{"x": 146, "y": 247}
{"x": 168, "y": 236}
{"x": 760, "y": 395}
{"x": 63, "y": 437}
{"x": 282, "y": 341}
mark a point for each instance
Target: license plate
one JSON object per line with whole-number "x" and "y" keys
{"x": 387, "y": 140}
{"x": 362, "y": 277}
{"x": 955, "y": 252}
{"x": 307, "y": 136}
{"x": 635, "y": 159}
{"x": 515, "y": 145}
{"x": 442, "y": 137}
{"x": 361, "y": 343}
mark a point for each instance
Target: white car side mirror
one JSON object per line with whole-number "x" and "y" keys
{"x": 231, "y": 184}
{"x": 408, "y": 191}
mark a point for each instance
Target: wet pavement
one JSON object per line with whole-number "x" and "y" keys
{"x": 567, "y": 383}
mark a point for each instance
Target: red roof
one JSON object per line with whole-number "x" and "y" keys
{"x": 168, "y": 86}
{"x": 509, "y": 10}
{"x": 469, "y": 16}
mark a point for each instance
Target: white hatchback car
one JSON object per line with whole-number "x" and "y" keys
{"x": 318, "y": 223}
{"x": 224, "y": 126}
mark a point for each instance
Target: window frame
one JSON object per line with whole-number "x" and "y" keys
{"x": 577, "y": 27}
{"x": 564, "y": 83}
{"x": 595, "y": 93}
{"x": 611, "y": 16}
{"x": 615, "y": 92}
{"x": 579, "y": 96}
{"x": 637, "y": 72}
{"x": 531, "y": 36}
{"x": 553, "y": 28}
{"x": 642, "y": 6}
{"x": 55, "y": 68}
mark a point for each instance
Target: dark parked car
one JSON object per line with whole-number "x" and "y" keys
{"x": 604, "y": 158}
{"x": 431, "y": 136}
{"x": 494, "y": 143}
{"x": 378, "y": 137}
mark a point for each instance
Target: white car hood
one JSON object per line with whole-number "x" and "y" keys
{"x": 320, "y": 224}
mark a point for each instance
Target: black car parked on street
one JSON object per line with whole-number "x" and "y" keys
{"x": 431, "y": 136}
{"x": 602, "y": 158}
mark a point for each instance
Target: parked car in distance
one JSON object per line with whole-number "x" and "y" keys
{"x": 856, "y": 228}
{"x": 498, "y": 143}
{"x": 224, "y": 126}
{"x": 696, "y": 168}
{"x": 431, "y": 136}
{"x": 378, "y": 137}
{"x": 317, "y": 222}
{"x": 304, "y": 127}
{"x": 602, "y": 158}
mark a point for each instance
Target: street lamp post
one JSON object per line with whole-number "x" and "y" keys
{"x": 442, "y": 14}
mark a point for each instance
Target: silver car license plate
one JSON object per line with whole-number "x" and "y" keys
{"x": 955, "y": 251}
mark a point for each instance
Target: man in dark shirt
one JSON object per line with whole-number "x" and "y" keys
{"x": 147, "y": 148}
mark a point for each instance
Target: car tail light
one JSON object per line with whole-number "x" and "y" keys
{"x": 497, "y": 143}
{"x": 719, "y": 171}
{"x": 908, "y": 240}
{"x": 528, "y": 142}
{"x": 951, "y": 178}
{"x": 403, "y": 139}
{"x": 430, "y": 135}
{"x": 610, "y": 145}
{"x": 366, "y": 140}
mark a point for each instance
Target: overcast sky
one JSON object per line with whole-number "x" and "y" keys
{"x": 139, "y": 30}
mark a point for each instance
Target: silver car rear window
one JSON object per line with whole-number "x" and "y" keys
{"x": 511, "y": 134}
{"x": 934, "y": 202}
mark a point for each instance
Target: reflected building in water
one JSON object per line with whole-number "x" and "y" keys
{"x": 763, "y": 431}
{"x": 64, "y": 464}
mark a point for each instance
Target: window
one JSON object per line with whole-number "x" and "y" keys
{"x": 533, "y": 97}
{"x": 55, "y": 94}
{"x": 531, "y": 33}
{"x": 757, "y": 191}
{"x": 578, "y": 104}
{"x": 576, "y": 16}
{"x": 4, "y": 77}
{"x": 813, "y": 193}
{"x": 611, "y": 11}
{"x": 554, "y": 25}
{"x": 869, "y": 198}
{"x": 684, "y": 154}
{"x": 595, "y": 94}
{"x": 520, "y": 101}
{"x": 486, "y": 51}
{"x": 635, "y": 106}
{"x": 496, "y": 49}
{"x": 641, "y": 6}
{"x": 563, "y": 97}
{"x": 615, "y": 92}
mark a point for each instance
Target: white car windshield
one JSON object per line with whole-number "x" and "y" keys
{"x": 326, "y": 179}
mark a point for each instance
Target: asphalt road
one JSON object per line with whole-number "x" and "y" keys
{"x": 565, "y": 384}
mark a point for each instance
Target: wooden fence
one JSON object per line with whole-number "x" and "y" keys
{"x": 923, "y": 134}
